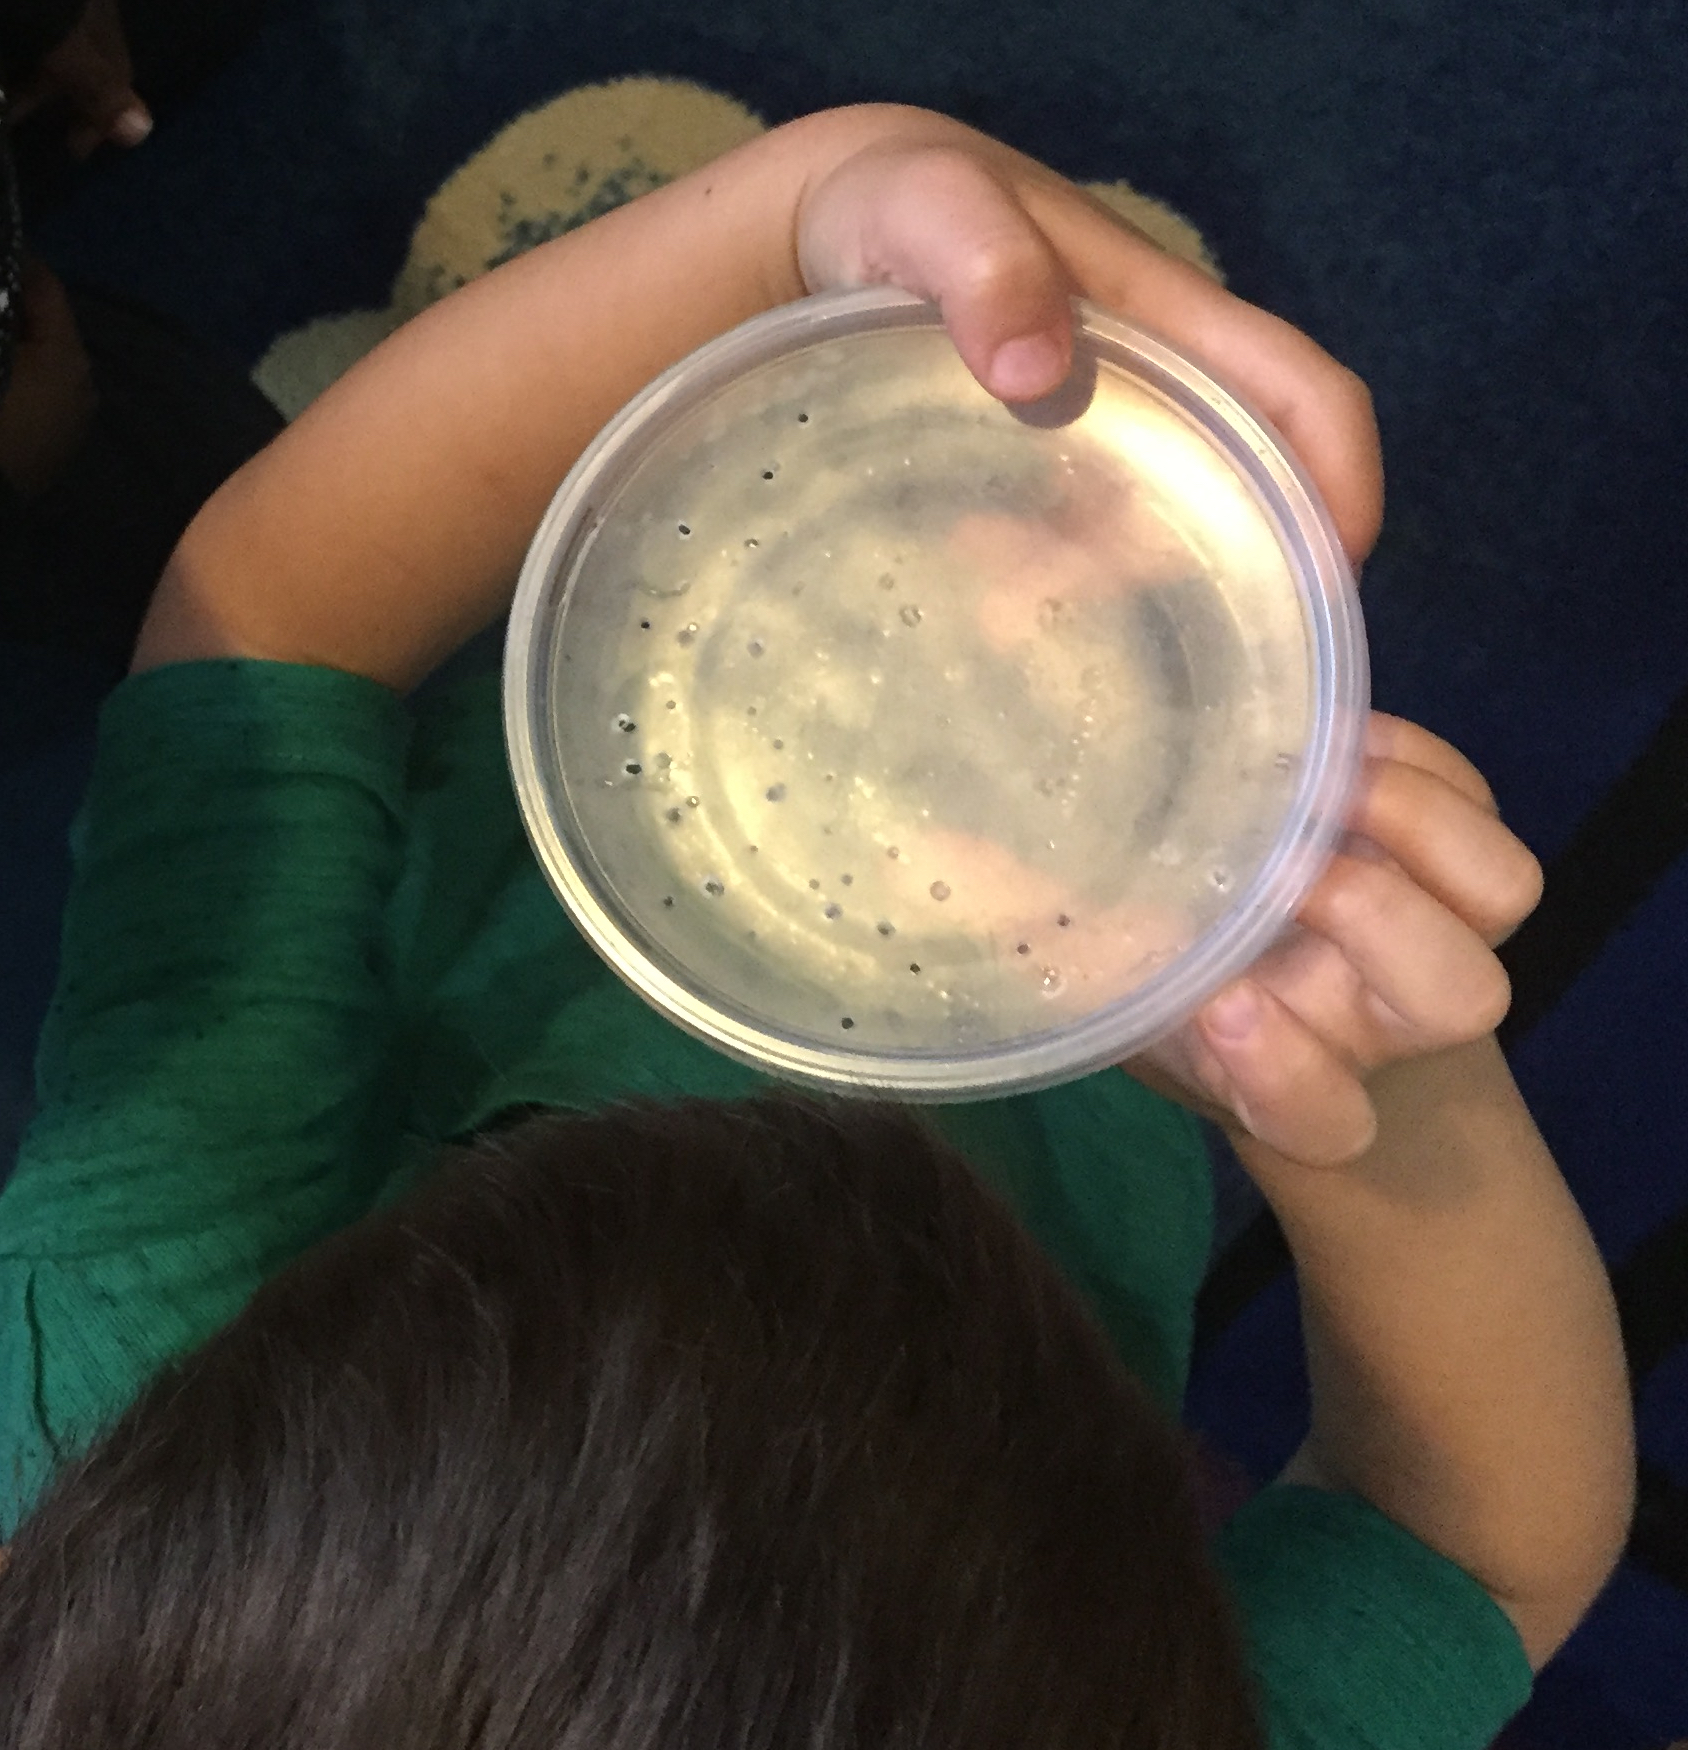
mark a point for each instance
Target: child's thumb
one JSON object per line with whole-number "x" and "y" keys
{"x": 1282, "y": 1084}
{"x": 937, "y": 222}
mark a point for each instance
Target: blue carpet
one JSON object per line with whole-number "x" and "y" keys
{"x": 1480, "y": 208}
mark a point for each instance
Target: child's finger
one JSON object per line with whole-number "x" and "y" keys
{"x": 1452, "y": 845}
{"x": 936, "y": 221}
{"x": 1285, "y": 1086}
{"x": 1425, "y": 965}
{"x": 1322, "y": 408}
{"x": 1395, "y": 738}
{"x": 1001, "y": 241}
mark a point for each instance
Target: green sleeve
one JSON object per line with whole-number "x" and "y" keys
{"x": 207, "y": 1075}
{"x": 1360, "y": 1636}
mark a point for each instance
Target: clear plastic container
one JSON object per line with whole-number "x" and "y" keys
{"x": 896, "y": 741}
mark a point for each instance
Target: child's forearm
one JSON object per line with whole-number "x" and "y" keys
{"x": 1468, "y": 1377}
{"x": 388, "y": 523}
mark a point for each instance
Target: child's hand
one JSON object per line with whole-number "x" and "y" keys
{"x": 1394, "y": 959}
{"x": 1001, "y": 243}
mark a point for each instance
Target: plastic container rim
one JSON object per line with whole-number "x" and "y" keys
{"x": 1262, "y": 910}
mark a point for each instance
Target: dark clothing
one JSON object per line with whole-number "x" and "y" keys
{"x": 28, "y": 29}
{"x": 174, "y": 418}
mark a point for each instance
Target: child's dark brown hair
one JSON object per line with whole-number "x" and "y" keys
{"x": 707, "y": 1427}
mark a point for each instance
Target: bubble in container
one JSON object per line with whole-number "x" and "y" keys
{"x": 894, "y": 740}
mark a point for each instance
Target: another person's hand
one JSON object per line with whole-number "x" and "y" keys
{"x": 50, "y": 398}
{"x": 1393, "y": 959}
{"x": 89, "y": 72}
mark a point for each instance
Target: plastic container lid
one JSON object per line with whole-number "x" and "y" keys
{"x": 893, "y": 740}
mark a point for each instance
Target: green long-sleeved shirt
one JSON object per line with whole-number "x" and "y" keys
{"x": 307, "y": 943}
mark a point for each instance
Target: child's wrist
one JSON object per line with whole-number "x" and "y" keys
{"x": 1409, "y": 1096}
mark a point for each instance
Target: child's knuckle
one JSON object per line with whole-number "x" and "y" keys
{"x": 1511, "y": 893}
{"x": 1521, "y": 890}
{"x": 1465, "y": 776}
{"x": 945, "y": 172}
{"x": 1000, "y": 260}
{"x": 1354, "y": 395}
{"x": 1356, "y": 898}
{"x": 1487, "y": 996}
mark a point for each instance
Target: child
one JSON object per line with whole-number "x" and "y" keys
{"x": 673, "y": 1414}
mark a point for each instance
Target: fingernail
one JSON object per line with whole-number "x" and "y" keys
{"x": 132, "y": 126}
{"x": 1026, "y": 368}
{"x": 1234, "y": 1013}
